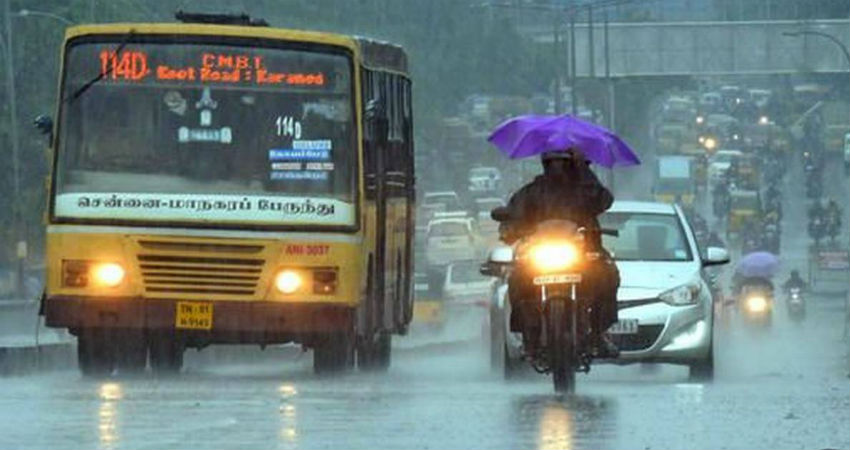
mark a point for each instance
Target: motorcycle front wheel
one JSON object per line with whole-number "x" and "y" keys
{"x": 561, "y": 346}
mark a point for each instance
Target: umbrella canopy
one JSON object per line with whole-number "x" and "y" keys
{"x": 531, "y": 135}
{"x": 758, "y": 264}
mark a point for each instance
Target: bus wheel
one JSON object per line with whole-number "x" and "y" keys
{"x": 132, "y": 351}
{"x": 95, "y": 352}
{"x": 333, "y": 353}
{"x": 376, "y": 355}
{"x": 166, "y": 352}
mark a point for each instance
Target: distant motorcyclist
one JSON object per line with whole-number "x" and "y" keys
{"x": 567, "y": 190}
{"x": 832, "y": 216}
{"x": 794, "y": 281}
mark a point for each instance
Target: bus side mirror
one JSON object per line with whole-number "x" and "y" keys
{"x": 44, "y": 124}
{"x": 377, "y": 121}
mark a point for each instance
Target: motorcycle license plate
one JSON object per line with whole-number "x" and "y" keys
{"x": 624, "y": 326}
{"x": 563, "y": 278}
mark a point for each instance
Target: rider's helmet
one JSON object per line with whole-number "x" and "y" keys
{"x": 795, "y": 273}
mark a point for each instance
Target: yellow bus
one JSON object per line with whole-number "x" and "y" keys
{"x": 219, "y": 181}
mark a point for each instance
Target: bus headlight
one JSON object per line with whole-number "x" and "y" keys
{"x": 108, "y": 274}
{"x": 288, "y": 281}
{"x": 551, "y": 257}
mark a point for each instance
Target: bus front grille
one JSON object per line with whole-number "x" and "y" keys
{"x": 171, "y": 274}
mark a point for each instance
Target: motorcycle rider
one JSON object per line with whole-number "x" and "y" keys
{"x": 832, "y": 216}
{"x": 794, "y": 281}
{"x": 567, "y": 190}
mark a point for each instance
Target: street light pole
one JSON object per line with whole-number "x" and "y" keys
{"x": 824, "y": 35}
{"x": 17, "y": 217}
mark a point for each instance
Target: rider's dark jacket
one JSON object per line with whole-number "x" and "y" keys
{"x": 577, "y": 196}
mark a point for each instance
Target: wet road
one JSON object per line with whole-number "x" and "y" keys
{"x": 787, "y": 388}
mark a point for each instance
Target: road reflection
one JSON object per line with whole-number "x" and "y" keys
{"x": 569, "y": 422}
{"x": 107, "y": 425}
{"x": 288, "y": 417}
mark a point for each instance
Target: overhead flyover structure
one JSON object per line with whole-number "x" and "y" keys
{"x": 705, "y": 48}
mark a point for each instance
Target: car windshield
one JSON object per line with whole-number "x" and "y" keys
{"x": 646, "y": 237}
{"x": 448, "y": 229}
{"x": 189, "y": 132}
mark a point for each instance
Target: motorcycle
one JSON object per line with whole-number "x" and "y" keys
{"x": 796, "y": 305}
{"x": 771, "y": 239}
{"x": 756, "y": 304}
{"x": 554, "y": 256}
{"x": 832, "y": 227}
{"x": 817, "y": 229}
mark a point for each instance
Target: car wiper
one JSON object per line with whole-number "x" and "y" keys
{"x": 82, "y": 89}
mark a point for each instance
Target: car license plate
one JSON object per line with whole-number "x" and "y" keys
{"x": 624, "y": 326}
{"x": 194, "y": 315}
{"x": 563, "y": 278}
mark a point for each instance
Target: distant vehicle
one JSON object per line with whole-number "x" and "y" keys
{"x": 675, "y": 138}
{"x": 428, "y": 301}
{"x": 710, "y": 102}
{"x": 450, "y": 240}
{"x": 443, "y": 200}
{"x": 464, "y": 284}
{"x": 674, "y": 181}
{"x": 719, "y": 164}
{"x": 679, "y": 110}
{"x": 761, "y": 97}
{"x": 484, "y": 180}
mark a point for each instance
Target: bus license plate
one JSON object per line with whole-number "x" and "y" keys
{"x": 194, "y": 315}
{"x": 563, "y": 278}
{"x": 624, "y": 326}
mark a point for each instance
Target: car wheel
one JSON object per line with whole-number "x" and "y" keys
{"x": 703, "y": 370}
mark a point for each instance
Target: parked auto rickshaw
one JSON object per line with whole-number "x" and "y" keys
{"x": 744, "y": 209}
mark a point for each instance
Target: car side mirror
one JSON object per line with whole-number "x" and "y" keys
{"x": 498, "y": 261}
{"x": 715, "y": 256}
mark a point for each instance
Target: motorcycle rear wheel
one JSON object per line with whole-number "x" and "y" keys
{"x": 561, "y": 346}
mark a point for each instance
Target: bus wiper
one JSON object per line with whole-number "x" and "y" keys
{"x": 117, "y": 52}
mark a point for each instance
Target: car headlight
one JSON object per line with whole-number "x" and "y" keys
{"x": 551, "y": 257}
{"x": 710, "y": 143}
{"x": 756, "y": 303}
{"x": 686, "y": 294}
{"x": 288, "y": 281}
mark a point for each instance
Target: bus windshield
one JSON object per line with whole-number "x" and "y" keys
{"x": 178, "y": 131}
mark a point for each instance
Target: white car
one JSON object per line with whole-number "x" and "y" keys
{"x": 441, "y": 201}
{"x": 449, "y": 240}
{"x": 665, "y": 305}
{"x": 464, "y": 284}
{"x": 484, "y": 179}
{"x": 666, "y": 312}
{"x": 486, "y": 225}
{"x": 720, "y": 162}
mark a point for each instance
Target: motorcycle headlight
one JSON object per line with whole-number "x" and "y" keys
{"x": 686, "y": 294}
{"x": 756, "y": 303}
{"x": 710, "y": 143}
{"x": 551, "y": 257}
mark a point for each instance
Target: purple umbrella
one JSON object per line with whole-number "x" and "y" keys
{"x": 758, "y": 264}
{"x": 531, "y": 135}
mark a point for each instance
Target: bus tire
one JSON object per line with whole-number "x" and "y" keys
{"x": 333, "y": 353}
{"x": 95, "y": 352}
{"x": 166, "y": 353}
{"x": 132, "y": 351}
{"x": 376, "y": 355}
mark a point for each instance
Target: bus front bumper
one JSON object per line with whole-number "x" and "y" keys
{"x": 232, "y": 321}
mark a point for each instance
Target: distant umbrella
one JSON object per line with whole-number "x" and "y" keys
{"x": 531, "y": 135}
{"x": 758, "y": 264}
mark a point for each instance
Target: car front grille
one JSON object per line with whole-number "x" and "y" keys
{"x": 642, "y": 340}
